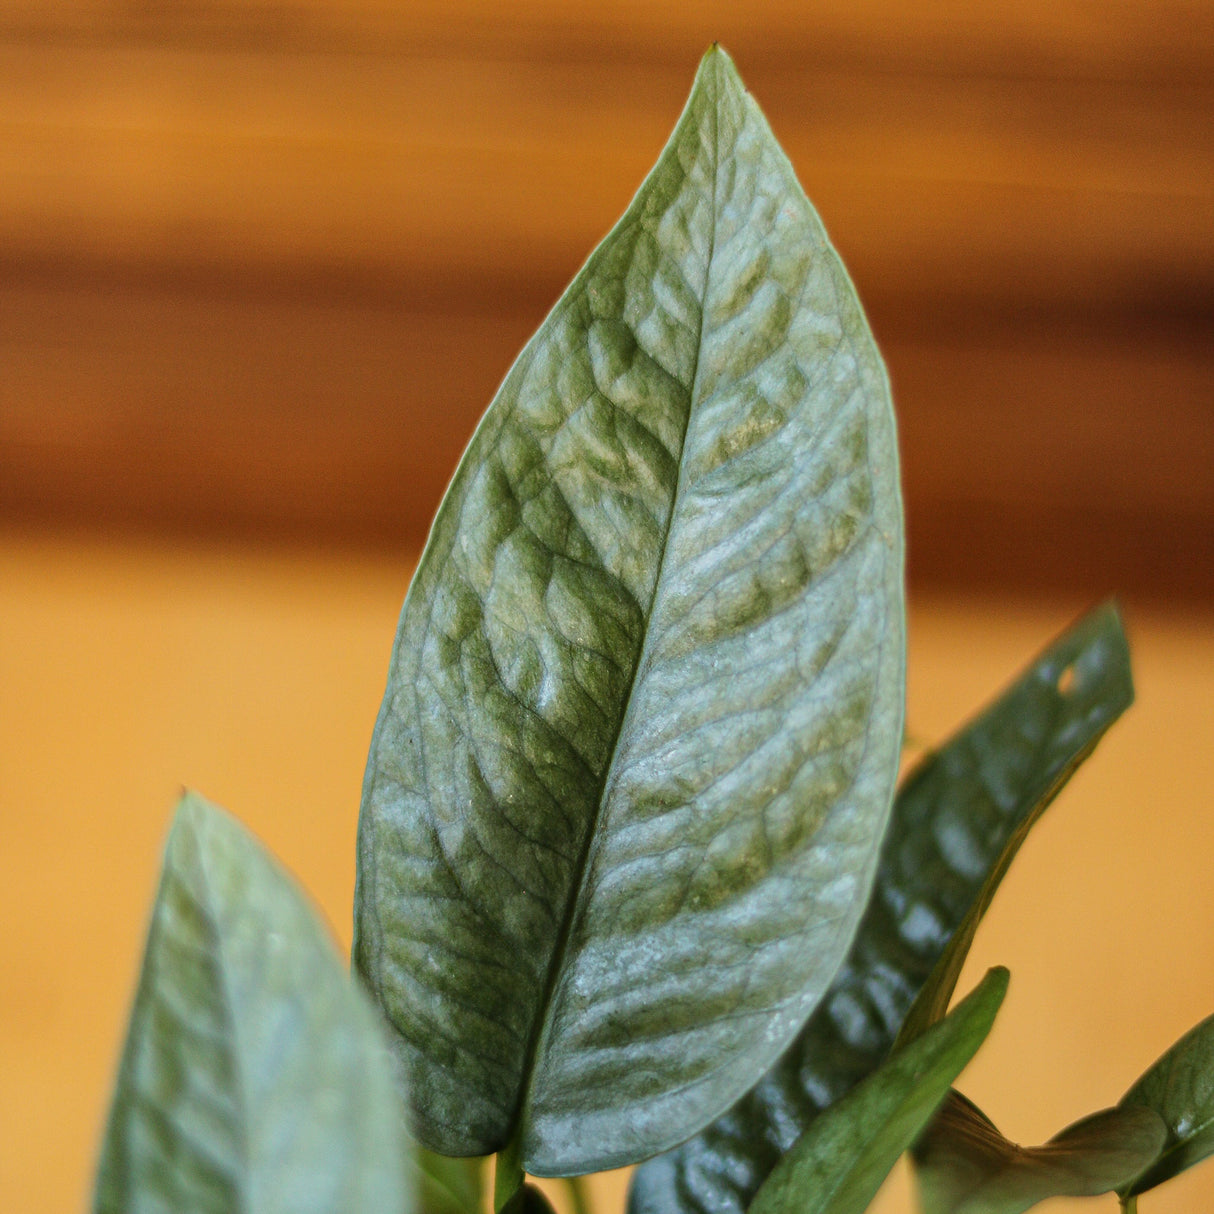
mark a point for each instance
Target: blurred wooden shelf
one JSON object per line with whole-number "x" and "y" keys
{"x": 263, "y": 264}
{"x": 1168, "y": 39}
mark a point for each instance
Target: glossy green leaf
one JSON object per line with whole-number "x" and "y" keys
{"x": 255, "y": 1075}
{"x": 641, "y": 731}
{"x": 963, "y": 1165}
{"x": 957, "y": 821}
{"x": 1179, "y": 1087}
{"x": 838, "y": 1164}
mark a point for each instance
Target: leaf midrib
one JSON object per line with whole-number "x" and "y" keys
{"x": 1168, "y": 1157}
{"x": 575, "y": 900}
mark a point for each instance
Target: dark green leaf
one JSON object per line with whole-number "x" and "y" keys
{"x": 963, "y": 1165}
{"x": 1180, "y": 1088}
{"x": 957, "y": 822}
{"x": 528, "y": 1200}
{"x": 642, "y": 724}
{"x": 838, "y": 1164}
{"x": 255, "y": 1074}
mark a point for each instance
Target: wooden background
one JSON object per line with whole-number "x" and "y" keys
{"x": 263, "y": 262}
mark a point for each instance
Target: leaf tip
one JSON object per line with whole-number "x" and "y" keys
{"x": 192, "y": 809}
{"x": 990, "y": 992}
{"x": 198, "y": 824}
{"x": 1115, "y": 622}
{"x": 187, "y": 831}
{"x": 717, "y": 71}
{"x": 1104, "y": 650}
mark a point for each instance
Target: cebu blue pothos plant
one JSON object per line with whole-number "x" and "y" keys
{"x": 634, "y": 884}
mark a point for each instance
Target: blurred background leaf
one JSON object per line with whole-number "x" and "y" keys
{"x": 838, "y": 1164}
{"x": 959, "y": 818}
{"x": 963, "y": 1165}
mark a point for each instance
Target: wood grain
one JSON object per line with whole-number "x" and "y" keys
{"x": 1117, "y": 38}
{"x": 262, "y": 264}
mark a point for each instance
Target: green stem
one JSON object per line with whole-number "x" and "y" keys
{"x": 579, "y": 1194}
{"x": 508, "y": 1173}
{"x": 1129, "y": 1204}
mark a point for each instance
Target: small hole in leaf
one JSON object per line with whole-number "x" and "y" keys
{"x": 1067, "y": 680}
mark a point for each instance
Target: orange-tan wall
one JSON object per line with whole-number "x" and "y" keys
{"x": 129, "y": 670}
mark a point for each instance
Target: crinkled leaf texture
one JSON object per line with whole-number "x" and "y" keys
{"x": 838, "y": 1164}
{"x": 255, "y": 1075}
{"x": 963, "y": 1165}
{"x": 958, "y": 820}
{"x": 1180, "y": 1088}
{"x": 641, "y": 731}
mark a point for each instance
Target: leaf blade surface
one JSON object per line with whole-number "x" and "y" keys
{"x": 255, "y": 1075}
{"x": 641, "y": 727}
{"x": 1179, "y": 1087}
{"x": 957, "y": 822}
{"x": 964, "y": 1165}
{"x": 839, "y": 1163}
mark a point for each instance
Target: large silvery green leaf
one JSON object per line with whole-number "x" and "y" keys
{"x": 839, "y": 1163}
{"x": 964, "y": 1165}
{"x": 1179, "y": 1087}
{"x": 957, "y": 822}
{"x": 255, "y": 1075}
{"x": 641, "y": 730}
